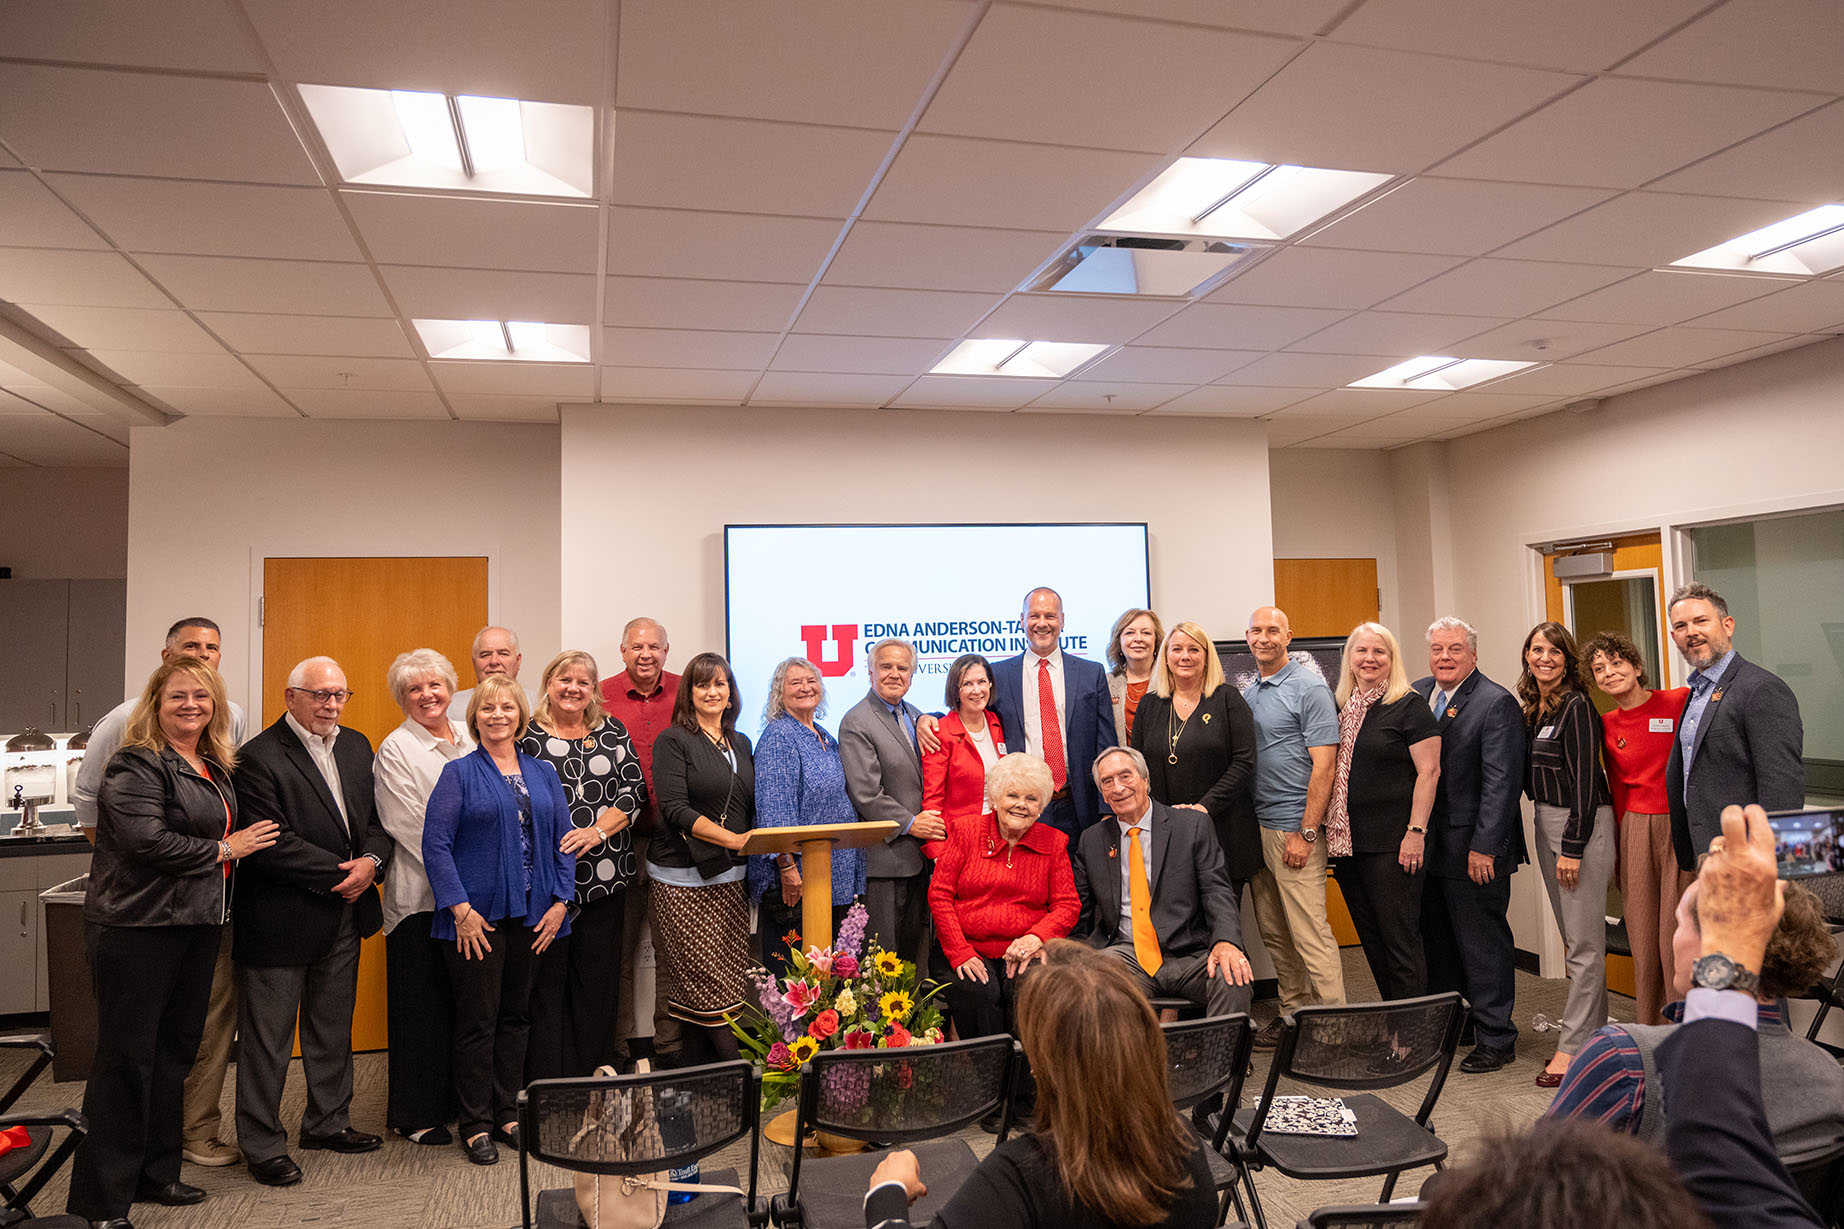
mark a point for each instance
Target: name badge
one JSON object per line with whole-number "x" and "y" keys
{"x": 1548, "y": 731}
{"x": 1662, "y": 725}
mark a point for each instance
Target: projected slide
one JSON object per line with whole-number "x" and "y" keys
{"x": 829, "y": 592}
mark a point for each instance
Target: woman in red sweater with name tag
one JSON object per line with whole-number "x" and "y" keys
{"x": 1636, "y": 739}
{"x": 1003, "y": 889}
{"x": 954, "y": 774}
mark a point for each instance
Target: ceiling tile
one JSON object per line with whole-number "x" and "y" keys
{"x": 1573, "y": 379}
{"x": 1761, "y": 351}
{"x": 455, "y": 46}
{"x": 37, "y": 218}
{"x": 1470, "y": 406}
{"x": 126, "y": 328}
{"x": 819, "y": 62}
{"x": 665, "y": 384}
{"x": 294, "y": 371}
{"x": 212, "y": 219}
{"x": 184, "y": 34}
{"x": 250, "y": 333}
{"x": 743, "y": 166}
{"x": 1107, "y": 398}
{"x": 1320, "y": 371}
{"x": 1801, "y": 161}
{"x": 1096, "y": 81}
{"x": 917, "y": 257}
{"x": 190, "y": 370}
{"x": 1274, "y": 16}
{"x": 1402, "y": 334}
{"x": 1360, "y": 109}
{"x": 1779, "y": 43}
{"x": 553, "y": 380}
{"x": 964, "y": 182}
{"x": 687, "y": 348}
{"x": 404, "y": 229}
{"x": 1353, "y": 402}
{"x": 1287, "y": 434}
{"x": 717, "y": 246}
{"x": 1505, "y": 287}
{"x": 492, "y": 294}
{"x": 658, "y": 302}
{"x": 1361, "y": 436}
{"x": 1542, "y": 341}
{"x": 1619, "y": 133}
{"x": 46, "y": 439}
{"x": 1679, "y": 347}
{"x": 892, "y": 313}
{"x": 1165, "y": 365}
{"x": 222, "y": 402}
{"x": 305, "y": 288}
{"x": 1231, "y": 325}
{"x": 1663, "y": 296}
{"x": 82, "y": 279}
{"x": 901, "y": 356}
{"x": 366, "y": 403}
{"x": 502, "y": 407}
{"x": 972, "y": 392}
{"x": 1578, "y": 35}
{"x": 1065, "y": 317}
{"x": 1806, "y": 307}
{"x": 1646, "y": 228}
{"x": 823, "y": 388}
{"x": 1232, "y": 402}
{"x": 1327, "y": 277}
{"x": 1460, "y": 216}
{"x": 132, "y": 123}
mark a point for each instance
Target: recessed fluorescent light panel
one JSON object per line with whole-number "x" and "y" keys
{"x": 522, "y": 341}
{"x": 1143, "y": 265}
{"x": 1437, "y": 373}
{"x": 455, "y": 142}
{"x": 1226, "y": 199}
{"x": 988, "y": 356}
{"x": 1805, "y": 245}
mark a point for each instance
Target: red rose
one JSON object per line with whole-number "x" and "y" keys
{"x": 824, "y": 1025}
{"x": 897, "y": 1036}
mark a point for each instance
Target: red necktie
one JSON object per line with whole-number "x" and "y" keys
{"x": 1052, "y": 727}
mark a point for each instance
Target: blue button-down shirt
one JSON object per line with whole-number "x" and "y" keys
{"x": 1702, "y": 686}
{"x": 1293, "y": 711}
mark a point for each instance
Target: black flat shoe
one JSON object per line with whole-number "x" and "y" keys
{"x": 347, "y": 1141}
{"x": 508, "y": 1136}
{"x": 119, "y": 1222}
{"x": 480, "y": 1150}
{"x": 276, "y": 1171}
{"x": 1488, "y": 1058}
{"x": 427, "y": 1135}
{"x": 168, "y": 1194}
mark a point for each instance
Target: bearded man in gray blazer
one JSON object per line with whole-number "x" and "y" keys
{"x": 883, "y": 775}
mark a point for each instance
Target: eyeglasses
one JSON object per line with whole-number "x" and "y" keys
{"x": 322, "y": 697}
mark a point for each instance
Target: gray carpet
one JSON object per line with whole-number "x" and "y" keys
{"x": 404, "y": 1186}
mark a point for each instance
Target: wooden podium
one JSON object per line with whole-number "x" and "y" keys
{"x": 814, "y": 843}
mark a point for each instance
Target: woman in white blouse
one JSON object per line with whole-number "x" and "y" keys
{"x": 421, "y": 1005}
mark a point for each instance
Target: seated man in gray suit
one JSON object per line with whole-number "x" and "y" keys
{"x": 1155, "y": 892}
{"x": 883, "y": 775}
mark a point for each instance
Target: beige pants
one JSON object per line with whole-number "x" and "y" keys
{"x": 1290, "y": 909}
{"x": 205, "y": 1082}
{"x": 1650, "y": 887}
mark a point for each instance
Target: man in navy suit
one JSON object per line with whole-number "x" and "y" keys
{"x": 1062, "y": 706}
{"x": 1475, "y": 840}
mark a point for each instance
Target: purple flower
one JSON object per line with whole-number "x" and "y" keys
{"x": 851, "y": 931}
{"x": 775, "y": 1005}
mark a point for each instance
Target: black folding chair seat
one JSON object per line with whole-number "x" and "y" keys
{"x": 1205, "y": 1058}
{"x": 1364, "y": 1215}
{"x": 1387, "y": 1140}
{"x": 839, "y": 1200}
{"x": 557, "y": 1209}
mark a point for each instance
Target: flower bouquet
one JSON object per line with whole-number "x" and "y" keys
{"x": 843, "y": 997}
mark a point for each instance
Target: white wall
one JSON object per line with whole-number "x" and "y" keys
{"x": 1334, "y": 503}
{"x": 208, "y": 499}
{"x": 64, "y": 524}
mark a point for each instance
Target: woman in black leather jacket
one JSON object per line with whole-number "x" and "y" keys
{"x": 159, "y": 888}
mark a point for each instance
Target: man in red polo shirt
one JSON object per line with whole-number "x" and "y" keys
{"x": 641, "y": 698}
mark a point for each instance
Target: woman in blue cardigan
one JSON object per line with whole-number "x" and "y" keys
{"x": 492, "y": 844}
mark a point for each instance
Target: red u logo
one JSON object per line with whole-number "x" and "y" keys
{"x": 844, "y": 635}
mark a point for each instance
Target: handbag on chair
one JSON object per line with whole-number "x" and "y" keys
{"x": 615, "y": 1125}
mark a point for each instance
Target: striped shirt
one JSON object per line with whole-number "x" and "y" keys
{"x": 1565, "y": 767}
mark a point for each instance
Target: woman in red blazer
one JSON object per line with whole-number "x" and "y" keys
{"x": 954, "y": 777}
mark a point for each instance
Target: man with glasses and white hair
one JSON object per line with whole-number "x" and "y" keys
{"x": 301, "y": 909}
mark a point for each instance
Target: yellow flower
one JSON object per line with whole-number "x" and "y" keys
{"x": 896, "y": 1005}
{"x": 802, "y": 1049}
{"x": 846, "y": 1003}
{"x": 889, "y": 964}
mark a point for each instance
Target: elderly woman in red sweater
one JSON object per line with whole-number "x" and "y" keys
{"x": 1002, "y": 890}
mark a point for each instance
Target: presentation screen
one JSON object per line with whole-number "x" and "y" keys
{"x": 829, "y": 592}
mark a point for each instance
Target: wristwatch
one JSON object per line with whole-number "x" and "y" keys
{"x": 1419, "y": 831}
{"x": 1717, "y": 972}
{"x": 1309, "y": 835}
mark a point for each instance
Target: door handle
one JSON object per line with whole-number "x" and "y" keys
{"x": 24, "y": 930}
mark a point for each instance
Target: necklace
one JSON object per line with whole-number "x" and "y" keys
{"x": 1175, "y": 730}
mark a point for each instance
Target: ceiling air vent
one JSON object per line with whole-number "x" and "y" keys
{"x": 1155, "y": 265}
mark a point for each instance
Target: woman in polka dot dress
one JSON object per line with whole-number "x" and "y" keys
{"x": 576, "y": 1009}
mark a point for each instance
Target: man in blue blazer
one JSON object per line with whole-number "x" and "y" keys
{"x": 1061, "y": 708}
{"x": 1475, "y": 840}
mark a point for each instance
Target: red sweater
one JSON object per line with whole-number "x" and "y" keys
{"x": 1637, "y": 754}
{"x": 985, "y": 894}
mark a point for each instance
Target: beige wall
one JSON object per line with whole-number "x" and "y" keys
{"x": 210, "y": 498}
{"x": 1336, "y": 504}
{"x": 64, "y": 524}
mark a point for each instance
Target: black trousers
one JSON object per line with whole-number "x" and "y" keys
{"x": 492, "y": 1025}
{"x": 421, "y": 1014}
{"x": 1467, "y": 939}
{"x": 983, "y": 1009}
{"x": 576, "y": 1005}
{"x": 899, "y": 918}
{"x": 152, "y": 987}
{"x": 775, "y": 920}
{"x": 1385, "y": 905}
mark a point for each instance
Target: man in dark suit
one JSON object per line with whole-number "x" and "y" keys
{"x": 1739, "y": 739}
{"x": 301, "y": 908}
{"x": 1061, "y": 711}
{"x": 1172, "y": 918}
{"x": 1475, "y": 840}
{"x": 883, "y": 775}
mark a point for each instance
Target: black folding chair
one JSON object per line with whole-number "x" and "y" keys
{"x": 1820, "y": 1177}
{"x": 1828, "y": 994}
{"x": 913, "y": 1097}
{"x": 1364, "y": 1047}
{"x": 1204, "y": 1057}
{"x": 638, "y": 1125}
{"x": 37, "y": 1163}
{"x": 16, "y": 1163}
{"x": 1378, "y": 1214}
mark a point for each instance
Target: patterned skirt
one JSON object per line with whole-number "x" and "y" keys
{"x": 702, "y": 938}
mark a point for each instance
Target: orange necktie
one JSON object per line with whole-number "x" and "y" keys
{"x": 1145, "y": 939}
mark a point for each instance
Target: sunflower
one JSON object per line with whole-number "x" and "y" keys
{"x": 896, "y": 1005}
{"x": 889, "y": 964}
{"x": 802, "y": 1049}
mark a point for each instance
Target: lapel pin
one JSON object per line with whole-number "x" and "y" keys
{"x": 1620, "y": 743}
{"x": 1206, "y": 718}
{"x": 1715, "y": 695}
{"x": 1114, "y": 851}
{"x": 1453, "y": 710}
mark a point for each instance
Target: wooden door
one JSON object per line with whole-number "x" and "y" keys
{"x": 362, "y": 613}
{"x": 1327, "y": 597}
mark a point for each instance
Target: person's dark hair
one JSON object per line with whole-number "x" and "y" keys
{"x": 1697, "y": 591}
{"x": 1529, "y": 696}
{"x": 1800, "y": 949}
{"x": 1616, "y": 647}
{"x": 1563, "y": 1171}
{"x": 172, "y": 633}
{"x": 699, "y": 671}
{"x": 1118, "y": 1145}
{"x": 962, "y": 664}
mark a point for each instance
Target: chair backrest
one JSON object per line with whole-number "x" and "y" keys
{"x": 1821, "y": 1180}
{"x": 43, "y": 1053}
{"x": 1829, "y": 993}
{"x": 21, "y": 1188}
{"x": 1207, "y": 1056}
{"x": 1365, "y": 1214}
